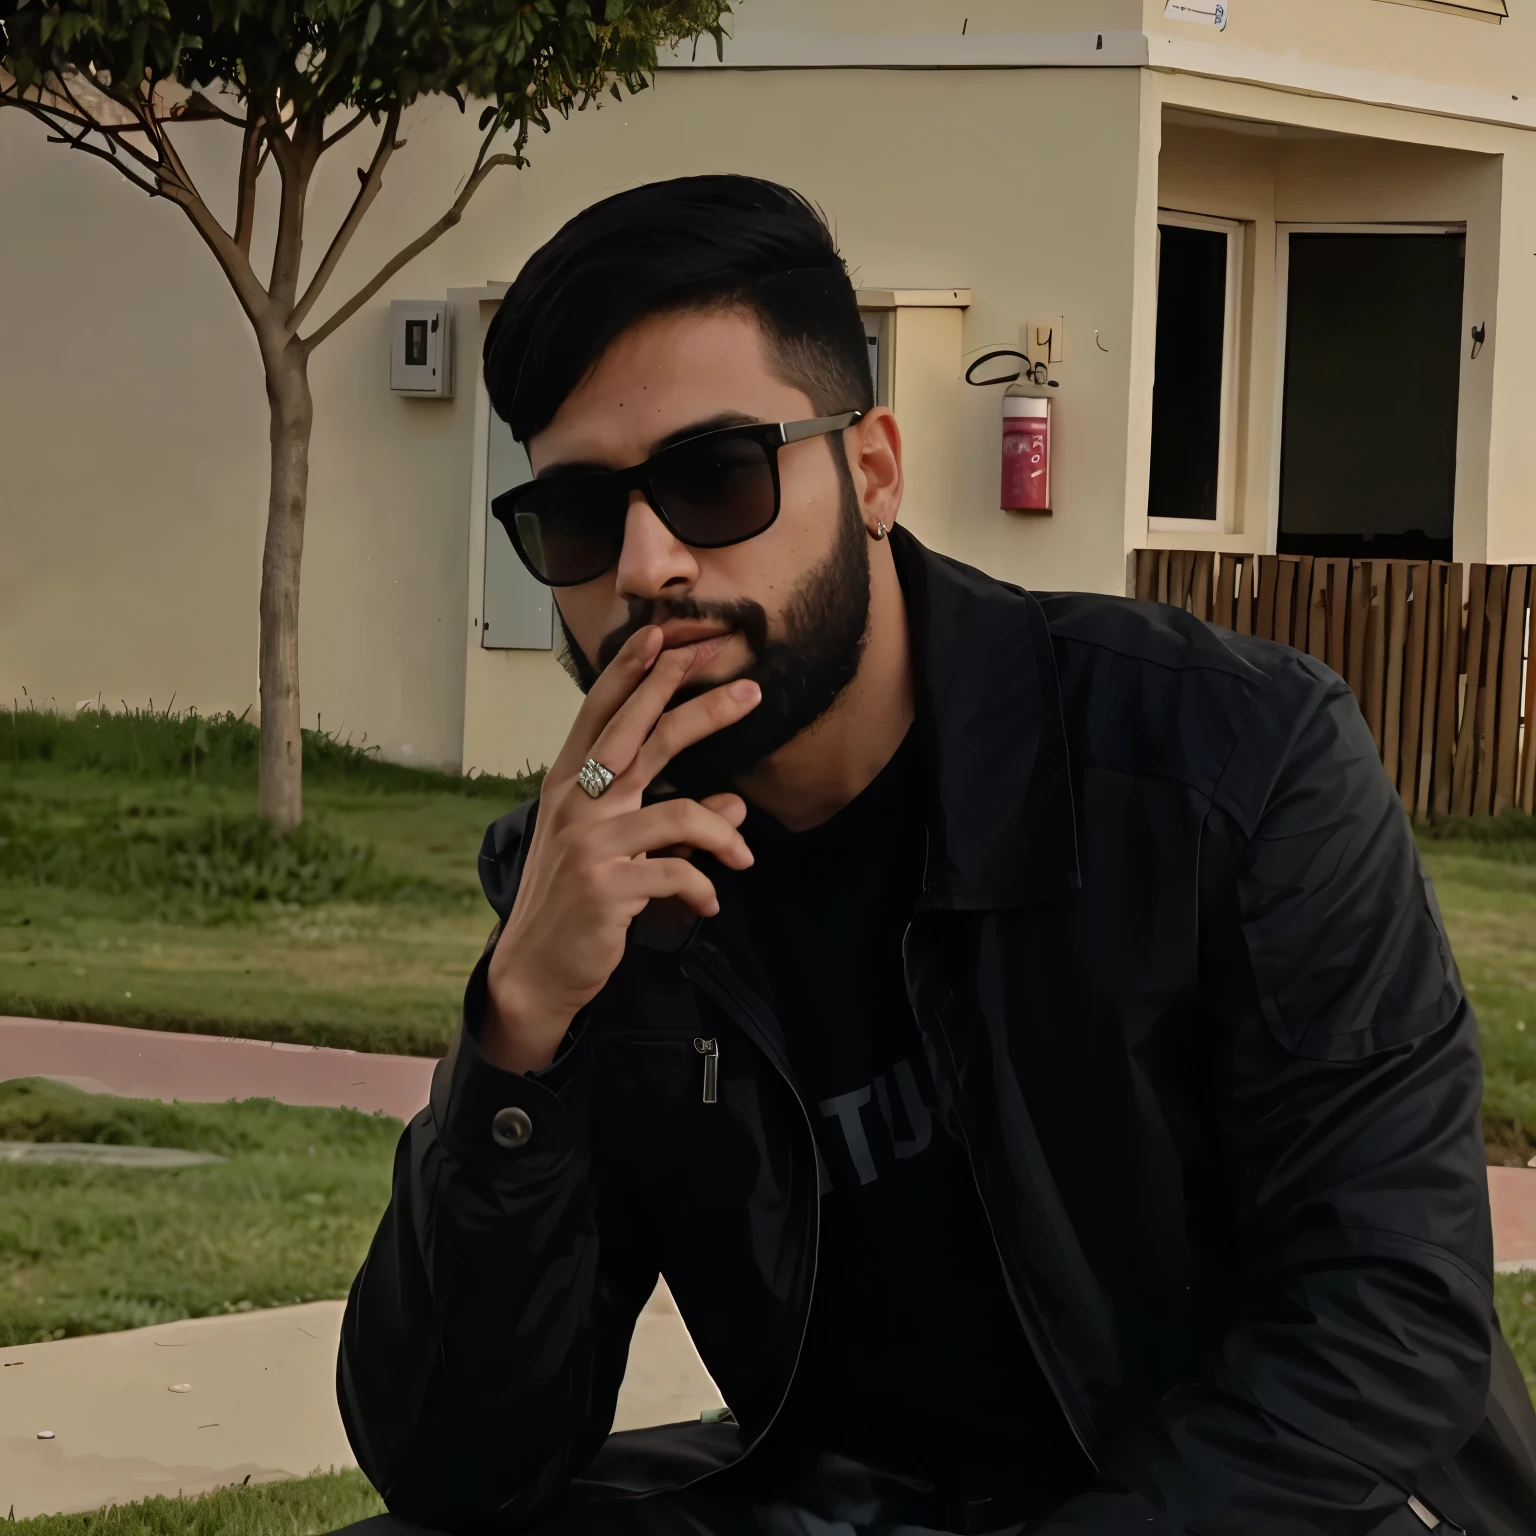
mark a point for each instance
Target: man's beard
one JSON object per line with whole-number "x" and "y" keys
{"x": 802, "y": 672}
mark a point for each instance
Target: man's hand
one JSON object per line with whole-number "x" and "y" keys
{"x": 594, "y": 864}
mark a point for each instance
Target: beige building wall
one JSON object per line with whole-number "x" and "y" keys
{"x": 1379, "y": 51}
{"x": 952, "y": 214}
{"x": 133, "y": 533}
{"x": 134, "y": 434}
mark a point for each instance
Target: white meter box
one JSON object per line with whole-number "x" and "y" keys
{"x": 421, "y": 348}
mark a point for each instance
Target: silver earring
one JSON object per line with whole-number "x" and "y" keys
{"x": 880, "y": 531}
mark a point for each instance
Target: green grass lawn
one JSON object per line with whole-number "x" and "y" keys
{"x": 1488, "y": 899}
{"x": 90, "y": 1249}
{"x": 305, "y": 1506}
{"x": 137, "y": 888}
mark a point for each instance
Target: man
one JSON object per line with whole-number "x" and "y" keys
{"x": 1017, "y": 1028}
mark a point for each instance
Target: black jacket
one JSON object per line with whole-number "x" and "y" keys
{"x": 1187, "y": 999}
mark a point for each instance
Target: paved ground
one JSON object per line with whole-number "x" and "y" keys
{"x": 262, "y": 1403}
{"x": 1512, "y": 1193}
{"x": 156, "y": 1064}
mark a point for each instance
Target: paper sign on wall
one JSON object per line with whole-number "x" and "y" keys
{"x": 1210, "y": 13}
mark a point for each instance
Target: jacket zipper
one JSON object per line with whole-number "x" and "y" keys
{"x": 710, "y": 1051}
{"x": 720, "y": 986}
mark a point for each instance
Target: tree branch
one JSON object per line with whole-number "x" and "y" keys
{"x": 184, "y": 193}
{"x": 245, "y": 185}
{"x": 295, "y": 162}
{"x": 409, "y": 254}
{"x": 372, "y": 181}
{"x": 342, "y": 132}
{"x": 40, "y": 113}
{"x": 80, "y": 115}
{"x": 197, "y": 105}
{"x": 248, "y": 290}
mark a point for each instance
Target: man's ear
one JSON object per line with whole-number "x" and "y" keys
{"x": 874, "y": 459}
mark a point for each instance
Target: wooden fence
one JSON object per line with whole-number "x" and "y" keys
{"x": 1434, "y": 652}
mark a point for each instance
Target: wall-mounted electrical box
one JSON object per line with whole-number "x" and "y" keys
{"x": 421, "y": 348}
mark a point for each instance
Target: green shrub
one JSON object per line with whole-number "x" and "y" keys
{"x": 219, "y": 749}
{"x": 205, "y": 869}
{"x": 1509, "y": 837}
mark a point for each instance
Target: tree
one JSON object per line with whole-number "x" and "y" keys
{"x": 295, "y": 79}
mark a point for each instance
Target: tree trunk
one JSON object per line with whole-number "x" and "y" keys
{"x": 280, "y": 783}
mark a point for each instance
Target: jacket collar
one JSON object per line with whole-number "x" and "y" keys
{"x": 1002, "y": 830}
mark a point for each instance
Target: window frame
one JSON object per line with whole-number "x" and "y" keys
{"x": 1283, "y": 233}
{"x": 1232, "y": 353}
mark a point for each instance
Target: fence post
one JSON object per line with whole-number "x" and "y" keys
{"x": 1511, "y": 657}
{"x": 1434, "y": 635}
{"x": 1477, "y": 597}
{"x": 1416, "y": 574}
{"x": 1446, "y": 715}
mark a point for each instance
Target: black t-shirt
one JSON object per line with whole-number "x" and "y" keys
{"x": 915, "y": 1360}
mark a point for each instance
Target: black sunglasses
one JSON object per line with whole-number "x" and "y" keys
{"x": 710, "y": 491}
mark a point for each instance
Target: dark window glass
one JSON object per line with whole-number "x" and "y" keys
{"x": 1372, "y": 370}
{"x": 1186, "y": 398}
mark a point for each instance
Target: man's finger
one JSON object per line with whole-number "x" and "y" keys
{"x": 692, "y": 722}
{"x": 731, "y": 806}
{"x": 622, "y": 737}
{"x": 669, "y": 825}
{"x": 617, "y": 682}
{"x": 654, "y": 879}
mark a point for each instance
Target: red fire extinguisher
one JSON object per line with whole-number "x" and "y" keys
{"x": 1026, "y": 452}
{"x": 1026, "y": 432}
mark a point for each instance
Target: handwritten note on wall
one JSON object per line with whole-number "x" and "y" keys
{"x": 1209, "y": 13}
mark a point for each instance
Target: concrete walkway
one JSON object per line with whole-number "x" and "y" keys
{"x": 156, "y": 1064}
{"x": 262, "y": 1403}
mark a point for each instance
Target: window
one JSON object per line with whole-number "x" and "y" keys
{"x": 1372, "y": 335}
{"x": 1478, "y": 10}
{"x": 1194, "y": 415}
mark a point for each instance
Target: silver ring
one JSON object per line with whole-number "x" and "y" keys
{"x": 594, "y": 778}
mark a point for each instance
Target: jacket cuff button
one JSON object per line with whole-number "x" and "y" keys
{"x": 511, "y": 1127}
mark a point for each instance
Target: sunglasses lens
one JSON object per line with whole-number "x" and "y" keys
{"x": 568, "y": 532}
{"x": 716, "y": 492}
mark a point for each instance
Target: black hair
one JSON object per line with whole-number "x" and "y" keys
{"x": 696, "y": 242}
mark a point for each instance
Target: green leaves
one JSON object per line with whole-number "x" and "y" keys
{"x": 529, "y": 58}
